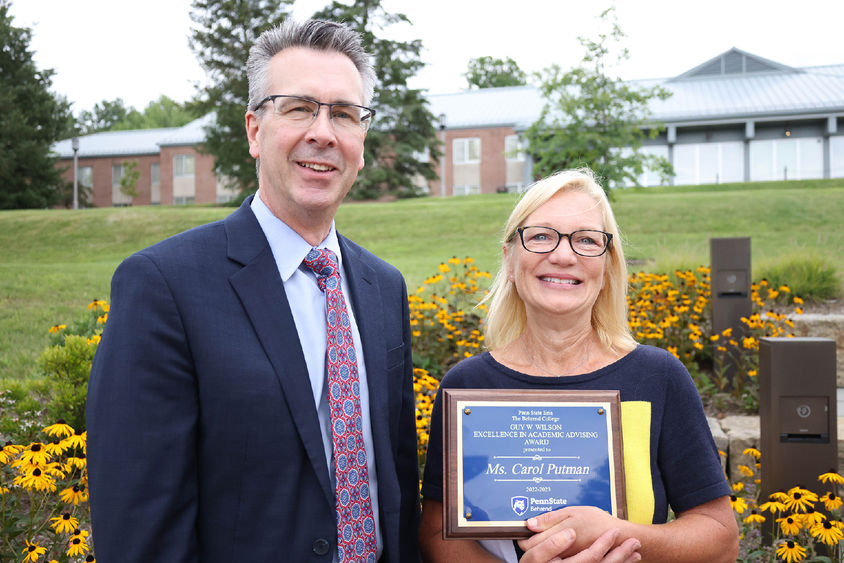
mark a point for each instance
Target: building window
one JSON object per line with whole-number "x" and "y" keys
{"x": 708, "y": 163}
{"x": 85, "y": 176}
{"x": 183, "y": 165}
{"x": 467, "y": 190}
{"x": 786, "y": 159}
{"x": 118, "y": 198}
{"x": 836, "y": 157}
{"x": 155, "y": 183}
{"x": 467, "y": 151}
{"x": 513, "y": 148}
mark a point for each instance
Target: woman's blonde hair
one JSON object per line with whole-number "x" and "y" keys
{"x": 505, "y": 319}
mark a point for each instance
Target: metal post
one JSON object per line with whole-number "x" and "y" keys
{"x": 441, "y": 120}
{"x": 74, "y": 142}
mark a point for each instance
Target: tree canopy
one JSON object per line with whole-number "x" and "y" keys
{"x": 31, "y": 120}
{"x": 489, "y": 72}
{"x": 114, "y": 115}
{"x": 595, "y": 120}
{"x": 402, "y": 141}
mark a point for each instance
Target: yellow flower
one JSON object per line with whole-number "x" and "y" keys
{"x": 444, "y": 268}
{"x": 77, "y": 545}
{"x": 800, "y": 499}
{"x": 827, "y": 532}
{"x": 36, "y": 479}
{"x": 754, "y": 518}
{"x": 831, "y": 501}
{"x": 9, "y": 451}
{"x": 60, "y": 429}
{"x": 738, "y": 504}
{"x": 753, "y": 452}
{"x": 74, "y": 495}
{"x": 831, "y": 477}
{"x": 95, "y": 339}
{"x": 738, "y": 487}
{"x": 57, "y": 328}
{"x": 745, "y": 470}
{"x": 35, "y": 454}
{"x": 789, "y": 525}
{"x": 64, "y": 523}
{"x": 791, "y": 551}
{"x": 811, "y": 518}
{"x": 97, "y": 304}
{"x": 773, "y": 507}
{"x": 33, "y": 551}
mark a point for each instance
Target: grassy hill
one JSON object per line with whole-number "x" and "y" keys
{"x": 54, "y": 262}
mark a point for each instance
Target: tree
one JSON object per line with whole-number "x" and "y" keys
{"x": 403, "y": 129}
{"x": 590, "y": 119}
{"x": 224, "y": 33}
{"x": 31, "y": 120}
{"x": 104, "y": 116}
{"x": 129, "y": 179}
{"x": 489, "y": 72}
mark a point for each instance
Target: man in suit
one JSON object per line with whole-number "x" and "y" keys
{"x": 210, "y": 429}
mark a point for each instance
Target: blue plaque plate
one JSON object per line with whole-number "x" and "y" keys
{"x": 509, "y": 455}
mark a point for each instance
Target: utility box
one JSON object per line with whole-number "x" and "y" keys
{"x": 730, "y": 279}
{"x": 797, "y": 410}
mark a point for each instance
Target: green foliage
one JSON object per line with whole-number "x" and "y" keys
{"x": 490, "y": 72}
{"x": 223, "y": 33}
{"x": 810, "y": 276}
{"x": 588, "y": 116}
{"x": 114, "y": 115}
{"x": 129, "y": 178}
{"x": 31, "y": 120}
{"x": 68, "y": 366}
{"x": 403, "y": 126}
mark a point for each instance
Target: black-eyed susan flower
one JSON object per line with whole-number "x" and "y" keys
{"x": 800, "y": 499}
{"x": 55, "y": 329}
{"x": 78, "y": 440}
{"x": 60, "y": 429}
{"x": 753, "y": 452}
{"x": 78, "y": 545}
{"x": 754, "y": 518}
{"x": 811, "y": 517}
{"x": 831, "y": 501}
{"x": 791, "y": 551}
{"x": 64, "y": 523}
{"x": 97, "y": 304}
{"x": 74, "y": 495}
{"x": 745, "y": 470}
{"x": 33, "y": 551}
{"x": 35, "y": 454}
{"x": 9, "y": 451}
{"x": 789, "y": 525}
{"x": 773, "y": 507}
{"x": 831, "y": 477}
{"x": 36, "y": 480}
{"x": 738, "y": 486}
{"x": 827, "y": 532}
{"x": 738, "y": 504}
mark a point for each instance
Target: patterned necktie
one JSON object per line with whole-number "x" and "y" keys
{"x": 355, "y": 522}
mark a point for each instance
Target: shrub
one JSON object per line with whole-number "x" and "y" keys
{"x": 810, "y": 277}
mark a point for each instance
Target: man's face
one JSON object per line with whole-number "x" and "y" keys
{"x": 307, "y": 170}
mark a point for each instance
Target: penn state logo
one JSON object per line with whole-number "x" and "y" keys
{"x": 519, "y": 505}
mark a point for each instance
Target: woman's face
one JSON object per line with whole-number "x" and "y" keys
{"x": 560, "y": 284}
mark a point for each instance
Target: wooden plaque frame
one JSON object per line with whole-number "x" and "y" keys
{"x": 457, "y": 403}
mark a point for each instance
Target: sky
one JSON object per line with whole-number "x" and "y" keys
{"x": 138, "y": 50}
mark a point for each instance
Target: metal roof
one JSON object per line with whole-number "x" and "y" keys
{"x": 775, "y": 90}
{"x": 135, "y": 142}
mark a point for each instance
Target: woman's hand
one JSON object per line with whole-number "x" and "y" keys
{"x": 602, "y": 550}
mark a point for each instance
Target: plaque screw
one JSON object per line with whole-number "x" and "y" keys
{"x": 467, "y": 410}
{"x": 600, "y": 411}
{"x": 468, "y": 515}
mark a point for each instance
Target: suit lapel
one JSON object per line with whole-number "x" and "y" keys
{"x": 261, "y": 292}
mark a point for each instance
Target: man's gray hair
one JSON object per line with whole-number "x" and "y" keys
{"x": 313, "y": 34}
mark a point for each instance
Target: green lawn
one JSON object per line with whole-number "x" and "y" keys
{"x": 54, "y": 262}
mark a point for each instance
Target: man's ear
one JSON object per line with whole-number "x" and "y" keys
{"x": 253, "y": 124}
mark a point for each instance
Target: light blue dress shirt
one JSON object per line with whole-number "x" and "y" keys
{"x": 307, "y": 303}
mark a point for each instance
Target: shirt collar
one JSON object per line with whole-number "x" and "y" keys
{"x": 288, "y": 246}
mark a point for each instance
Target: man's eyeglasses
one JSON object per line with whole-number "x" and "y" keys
{"x": 543, "y": 240}
{"x": 301, "y": 112}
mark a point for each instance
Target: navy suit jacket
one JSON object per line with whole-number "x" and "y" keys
{"x": 203, "y": 438}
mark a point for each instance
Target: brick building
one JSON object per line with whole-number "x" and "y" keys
{"x": 171, "y": 168}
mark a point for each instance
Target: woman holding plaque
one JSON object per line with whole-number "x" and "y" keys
{"x": 557, "y": 320}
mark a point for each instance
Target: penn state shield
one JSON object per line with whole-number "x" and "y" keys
{"x": 519, "y": 505}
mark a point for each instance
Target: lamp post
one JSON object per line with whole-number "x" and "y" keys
{"x": 74, "y": 142}
{"x": 441, "y": 121}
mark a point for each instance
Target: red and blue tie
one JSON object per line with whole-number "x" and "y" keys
{"x": 355, "y": 522}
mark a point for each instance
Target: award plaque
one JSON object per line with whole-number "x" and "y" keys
{"x": 509, "y": 455}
